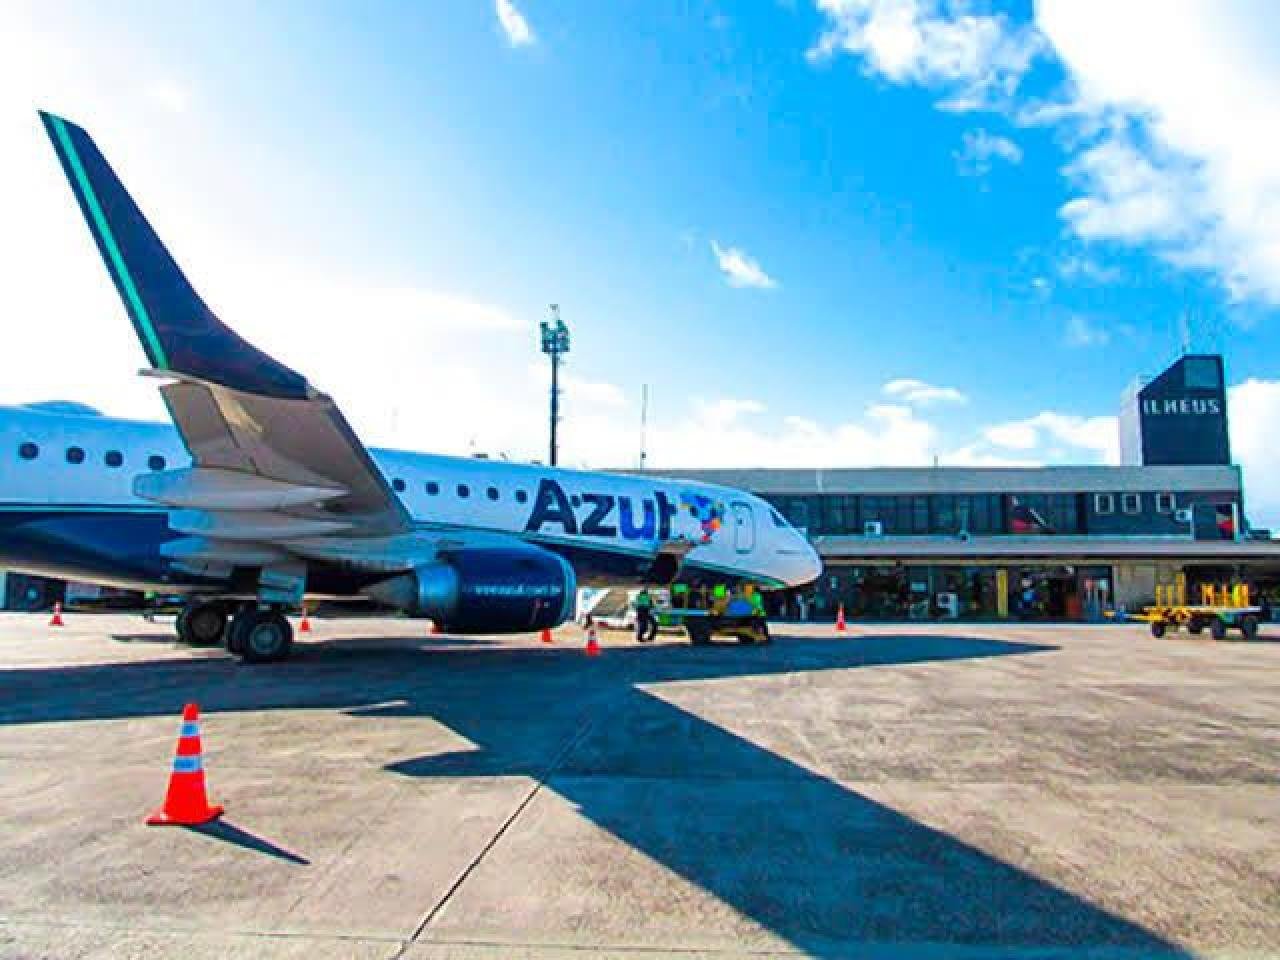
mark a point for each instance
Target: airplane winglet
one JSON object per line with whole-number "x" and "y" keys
{"x": 178, "y": 332}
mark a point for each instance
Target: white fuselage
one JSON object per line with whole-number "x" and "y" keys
{"x": 56, "y": 461}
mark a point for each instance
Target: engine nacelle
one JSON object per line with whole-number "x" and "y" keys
{"x": 486, "y": 590}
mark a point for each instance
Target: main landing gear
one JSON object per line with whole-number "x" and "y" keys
{"x": 202, "y": 621}
{"x": 259, "y": 636}
{"x": 254, "y": 634}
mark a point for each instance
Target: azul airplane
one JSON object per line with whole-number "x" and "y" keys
{"x": 263, "y": 495}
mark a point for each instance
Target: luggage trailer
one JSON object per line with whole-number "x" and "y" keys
{"x": 1221, "y": 609}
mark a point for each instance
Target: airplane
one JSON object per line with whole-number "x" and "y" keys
{"x": 260, "y": 496}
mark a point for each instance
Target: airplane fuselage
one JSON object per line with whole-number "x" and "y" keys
{"x": 68, "y": 509}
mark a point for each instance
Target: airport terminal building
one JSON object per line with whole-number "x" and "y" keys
{"x": 1032, "y": 543}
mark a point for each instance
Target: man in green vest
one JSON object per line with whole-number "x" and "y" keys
{"x": 646, "y": 624}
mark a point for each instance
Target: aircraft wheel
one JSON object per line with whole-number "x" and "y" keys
{"x": 234, "y": 636}
{"x": 699, "y": 634}
{"x": 1157, "y": 629}
{"x": 264, "y": 636}
{"x": 202, "y": 623}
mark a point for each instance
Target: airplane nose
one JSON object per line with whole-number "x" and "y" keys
{"x": 809, "y": 567}
{"x": 814, "y": 569}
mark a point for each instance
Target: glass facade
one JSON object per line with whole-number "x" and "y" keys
{"x": 952, "y": 592}
{"x": 981, "y": 514}
{"x": 976, "y": 585}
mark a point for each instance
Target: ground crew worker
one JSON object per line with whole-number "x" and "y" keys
{"x": 757, "y": 602}
{"x": 719, "y": 599}
{"x": 646, "y": 625}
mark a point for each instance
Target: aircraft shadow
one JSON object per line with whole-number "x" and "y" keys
{"x": 803, "y": 856}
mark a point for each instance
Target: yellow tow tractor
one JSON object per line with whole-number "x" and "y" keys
{"x": 1220, "y": 609}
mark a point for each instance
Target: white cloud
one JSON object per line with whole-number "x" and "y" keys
{"x": 734, "y": 433}
{"x": 889, "y": 412}
{"x": 973, "y": 58}
{"x": 979, "y": 149}
{"x": 922, "y": 394}
{"x": 1083, "y": 332}
{"x": 514, "y": 24}
{"x": 1080, "y": 267}
{"x": 740, "y": 269}
{"x": 1166, "y": 115}
{"x": 1132, "y": 195}
{"x": 1013, "y": 436}
{"x": 1090, "y": 439}
{"x": 1254, "y": 408}
{"x": 726, "y": 410}
{"x": 1190, "y": 79}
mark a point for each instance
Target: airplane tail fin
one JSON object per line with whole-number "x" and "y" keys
{"x": 179, "y": 333}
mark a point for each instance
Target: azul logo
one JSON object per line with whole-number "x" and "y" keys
{"x": 708, "y": 513}
{"x": 607, "y": 515}
{"x": 1195, "y": 406}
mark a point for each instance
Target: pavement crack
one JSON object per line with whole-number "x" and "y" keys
{"x": 582, "y": 730}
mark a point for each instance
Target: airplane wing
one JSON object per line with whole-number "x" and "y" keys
{"x": 275, "y": 461}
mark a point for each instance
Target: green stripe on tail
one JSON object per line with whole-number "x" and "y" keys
{"x": 152, "y": 342}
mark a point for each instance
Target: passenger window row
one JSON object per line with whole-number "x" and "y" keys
{"x": 462, "y": 491}
{"x": 76, "y": 455}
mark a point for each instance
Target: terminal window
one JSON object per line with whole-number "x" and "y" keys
{"x": 1132, "y": 503}
{"x": 1201, "y": 373}
{"x": 1165, "y": 503}
{"x": 1104, "y": 503}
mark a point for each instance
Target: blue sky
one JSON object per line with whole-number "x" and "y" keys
{"x": 824, "y": 231}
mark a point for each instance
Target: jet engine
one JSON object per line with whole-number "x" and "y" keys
{"x": 486, "y": 590}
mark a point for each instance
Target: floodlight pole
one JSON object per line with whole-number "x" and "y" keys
{"x": 555, "y": 343}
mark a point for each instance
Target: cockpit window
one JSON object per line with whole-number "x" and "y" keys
{"x": 777, "y": 519}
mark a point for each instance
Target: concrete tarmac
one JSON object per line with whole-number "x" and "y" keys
{"x": 930, "y": 791}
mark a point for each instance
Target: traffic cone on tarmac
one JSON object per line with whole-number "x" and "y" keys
{"x": 304, "y": 626}
{"x": 546, "y": 635}
{"x": 593, "y": 643}
{"x": 185, "y": 802}
{"x": 840, "y": 627}
{"x": 435, "y": 627}
{"x": 56, "y": 620}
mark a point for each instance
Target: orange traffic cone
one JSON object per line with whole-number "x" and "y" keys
{"x": 435, "y": 626}
{"x": 185, "y": 803}
{"x": 546, "y": 635}
{"x": 840, "y": 627}
{"x": 56, "y": 621}
{"x": 305, "y": 625}
{"x": 593, "y": 643}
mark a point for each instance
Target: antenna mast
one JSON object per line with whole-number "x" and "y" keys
{"x": 644, "y": 422}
